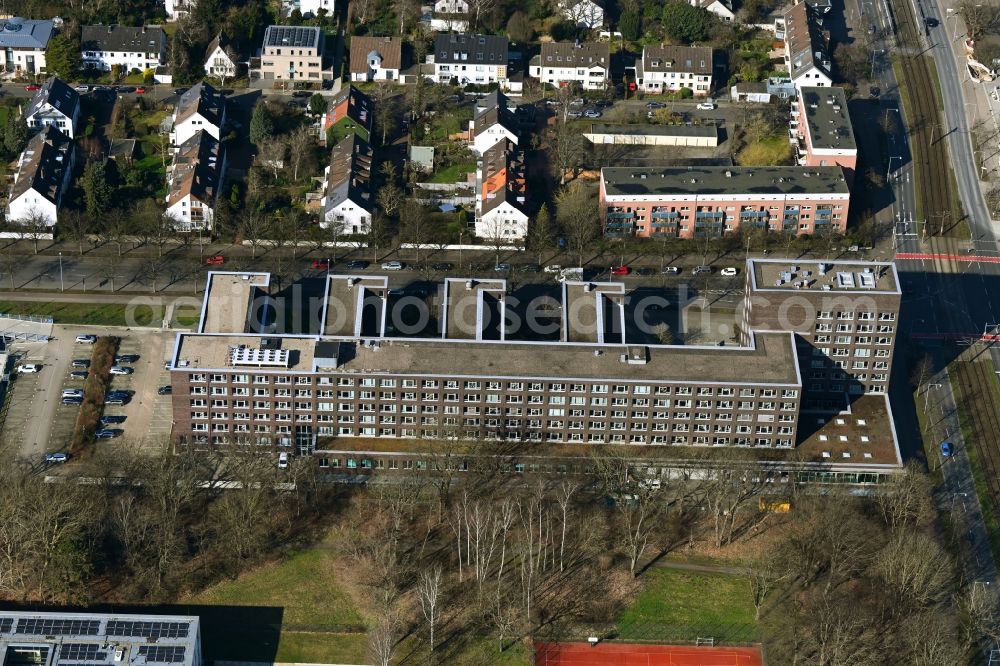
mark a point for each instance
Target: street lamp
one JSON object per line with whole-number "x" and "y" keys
{"x": 61, "y": 287}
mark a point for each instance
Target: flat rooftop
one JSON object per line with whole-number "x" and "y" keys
{"x": 584, "y": 301}
{"x": 62, "y": 639}
{"x": 341, "y": 310}
{"x": 227, "y": 300}
{"x": 215, "y": 352}
{"x": 876, "y": 277}
{"x": 827, "y": 118}
{"x": 462, "y": 317}
{"x": 861, "y": 434}
{"x": 723, "y": 181}
{"x": 656, "y": 130}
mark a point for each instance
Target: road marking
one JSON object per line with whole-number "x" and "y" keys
{"x": 972, "y": 258}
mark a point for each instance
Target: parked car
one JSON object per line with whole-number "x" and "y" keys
{"x": 531, "y": 268}
{"x": 56, "y": 458}
{"x": 707, "y": 105}
{"x": 302, "y": 93}
{"x": 112, "y": 420}
{"x": 358, "y": 264}
{"x": 701, "y": 270}
{"x": 548, "y": 102}
{"x": 126, "y": 358}
{"x": 86, "y": 339}
{"x": 141, "y": 90}
{"x": 82, "y": 88}
{"x": 671, "y": 270}
{"x": 620, "y": 270}
{"x": 946, "y": 449}
{"x": 502, "y": 268}
{"x": 730, "y": 271}
{"x": 117, "y": 400}
{"x": 575, "y": 114}
{"x": 645, "y": 272}
{"x": 321, "y": 264}
{"x": 125, "y": 89}
{"x": 108, "y": 433}
{"x": 29, "y": 368}
{"x": 579, "y": 101}
{"x": 592, "y": 113}
{"x": 32, "y": 87}
{"x": 215, "y": 260}
{"x": 296, "y": 103}
{"x": 102, "y": 89}
{"x": 72, "y": 400}
{"x": 442, "y": 266}
{"x": 78, "y": 374}
{"x": 72, "y": 393}
{"x": 121, "y": 370}
{"x": 165, "y": 390}
{"x": 80, "y": 362}
{"x": 282, "y": 461}
{"x": 392, "y": 265}
{"x": 552, "y": 268}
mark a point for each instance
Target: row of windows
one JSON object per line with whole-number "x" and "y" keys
{"x": 861, "y": 316}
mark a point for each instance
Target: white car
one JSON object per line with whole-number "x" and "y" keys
{"x": 282, "y": 461}
{"x": 392, "y": 265}
{"x": 55, "y": 458}
{"x": 29, "y": 368}
{"x": 706, "y": 106}
{"x": 72, "y": 393}
{"x": 121, "y": 370}
{"x": 730, "y": 271}
{"x": 553, "y": 268}
{"x": 86, "y": 339}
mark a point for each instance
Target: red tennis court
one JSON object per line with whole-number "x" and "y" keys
{"x": 638, "y": 654}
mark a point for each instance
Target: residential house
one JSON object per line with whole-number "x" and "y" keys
{"x": 222, "y": 58}
{"x": 721, "y": 8}
{"x": 350, "y": 111}
{"x": 807, "y": 47}
{"x": 664, "y": 69}
{"x": 293, "y": 53}
{"x": 200, "y": 108}
{"x": 478, "y": 59}
{"x": 564, "y": 63}
{"x": 55, "y": 104}
{"x": 376, "y": 58}
{"x": 23, "y": 43}
{"x": 750, "y": 91}
{"x": 449, "y": 16}
{"x": 177, "y": 9}
{"x": 195, "y": 179}
{"x": 132, "y": 49}
{"x": 493, "y": 121}
{"x": 347, "y": 199}
{"x": 583, "y": 14}
{"x": 501, "y": 194}
{"x": 43, "y": 174}
{"x": 821, "y": 130}
{"x": 313, "y": 7}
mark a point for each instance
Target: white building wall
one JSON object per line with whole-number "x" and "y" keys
{"x": 352, "y": 218}
{"x": 31, "y": 203}
{"x": 187, "y": 129}
{"x": 49, "y": 115}
{"x": 505, "y": 221}
{"x": 594, "y": 78}
{"x": 218, "y": 63}
{"x": 492, "y": 137}
{"x": 470, "y": 73}
{"x": 104, "y": 60}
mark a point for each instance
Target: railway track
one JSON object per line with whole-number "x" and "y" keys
{"x": 926, "y": 129}
{"x": 977, "y": 388}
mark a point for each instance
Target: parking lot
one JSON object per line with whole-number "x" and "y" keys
{"x": 39, "y": 423}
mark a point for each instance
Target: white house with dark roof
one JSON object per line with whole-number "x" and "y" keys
{"x": 376, "y": 58}
{"x": 104, "y": 46}
{"x": 55, "y": 104}
{"x": 44, "y": 171}
{"x": 501, "y": 194}
{"x": 478, "y": 59}
{"x": 562, "y": 63}
{"x": 807, "y": 47}
{"x": 492, "y": 122}
{"x": 347, "y": 196}
{"x": 195, "y": 179}
{"x": 664, "y": 69}
{"x": 222, "y": 59}
{"x": 22, "y": 45}
{"x": 313, "y": 7}
{"x": 721, "y": 8}
{"x": 200, "y": 108}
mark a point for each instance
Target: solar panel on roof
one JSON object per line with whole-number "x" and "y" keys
{"x": 82, "y": 652}
{"x": 147, "y": 629}
{"x": 5, "y": 624}
{"x": 34, "y": 626}
{"x": 162, "y": 654}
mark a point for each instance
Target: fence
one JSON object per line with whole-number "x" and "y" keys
{"x": 25, "y": 328}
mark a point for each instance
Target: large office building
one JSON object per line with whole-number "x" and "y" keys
{"x": 689, "y": 202}
{"x": 98, "y": 639}
{"x": 844, "y": 315}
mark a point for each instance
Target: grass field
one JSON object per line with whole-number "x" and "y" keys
{"x": 108, "y": 314}
{"x": 452, "y": 173}
{"x": 767, "y": 152}
{"x": 680, "y": 605}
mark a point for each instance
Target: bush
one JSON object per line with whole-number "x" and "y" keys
{"x": 94, "y": 390}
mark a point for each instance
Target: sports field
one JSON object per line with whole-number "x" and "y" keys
{"x": 638, "y": 654}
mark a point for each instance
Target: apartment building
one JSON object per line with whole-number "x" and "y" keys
{"x": 493, "y": 121}
{"x": 563, "y": 63}
{"x": 131, "y": 48}
{"x": 501, "y": 194}
{"x": 807, "y": 47}
{"x": 689, "y": 202}
{"x": 478, "y": 59}
{"x": 350, "y": 111}
{"x": 821, "y": 130}
{"x": 200, "y": 108}
{"x": 99, "y": 639}
{"x": 844, "y": 315}
{"x": 347, "y": 198}
{"x": 55, "y": 104}
{"x": 663, "y": 69}
{"x": 376, "y": 58}
{"x": 195, "y": 180}
{"x": 292, "y": 53}
{"x": 239, "y": 382}
{"x": 23, "y": 43}
{"x": 43, "y": 175}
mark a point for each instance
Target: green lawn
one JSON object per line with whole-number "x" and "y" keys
{"x": 337, "y": 133}
{"x": 107, "y": 314}
{"x": 321, "y": 648}
{"x": 773, "y": 151}
{"x": 452, "y": 173}
{"x": 680, "y": 605}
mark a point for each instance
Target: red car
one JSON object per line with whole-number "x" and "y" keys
{"x": 140, "y": 90}
{"x": 620, "y": 270}
{"x": 31, "y": 87}
{"x": 217, "y": 260}
{"x": 321, "y": 264}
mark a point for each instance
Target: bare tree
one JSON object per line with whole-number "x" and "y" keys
{"x": 905, "y": 498}
{"x": 428, "y": 591}
{"x": 75, "y": 226}
{"x": 254, "y": 225}
{"x": 911, "y": 566}
{"x": 382, "y": 638}
{"x": 301, "y": 147}
{"x": 931, "y": 639}
{"x": 762, "y": 572}
{"x": 478, "y": 9}
{"x": 390, "y": 196}
{"x": 564, "y": 498}
{"x": 34, "y": 225}
{"x": 577, "y": 215}
{"x": 272, "y": 154}
{"x": 413, "y": 225}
